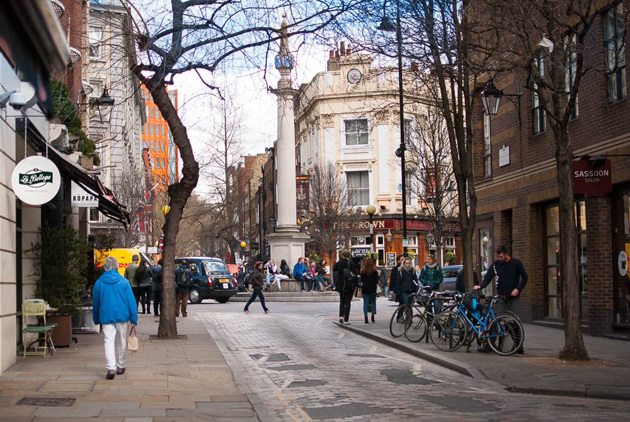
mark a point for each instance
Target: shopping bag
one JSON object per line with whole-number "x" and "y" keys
{"x": 358, "y": 293}
{"x": 132, "y": 340}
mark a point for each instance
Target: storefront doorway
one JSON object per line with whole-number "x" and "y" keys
{"x": 621, "y": 246}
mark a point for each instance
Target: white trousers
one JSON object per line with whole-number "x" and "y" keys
{"x": 115, "y": 333}
{"x": 277, "y": 278}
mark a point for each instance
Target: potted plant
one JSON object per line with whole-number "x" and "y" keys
{"x": 61, "y": 262}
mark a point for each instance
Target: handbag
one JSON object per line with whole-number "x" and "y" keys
{"x": 358, "y": 293}
{"x": 132, "y": 340}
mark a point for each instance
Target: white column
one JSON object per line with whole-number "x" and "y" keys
{"x": 286, "y": 161}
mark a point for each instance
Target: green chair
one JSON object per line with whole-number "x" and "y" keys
{"x": 37, "y": 308}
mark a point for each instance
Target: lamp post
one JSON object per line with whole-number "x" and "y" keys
{"x": 430, "y": 239}
{"x": 371, "y": 210}
{"x": 104, "y": 103}
{"x": 491, "y": 99}
{"x": 386, "y": 25}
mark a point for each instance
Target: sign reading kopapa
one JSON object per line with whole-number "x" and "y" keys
{"x": 35, "y": 180}
{"x": 81, "y": 198}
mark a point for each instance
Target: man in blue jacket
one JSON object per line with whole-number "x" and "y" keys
{"x": 114, "y": 307}
{"x": 298, "y": 272}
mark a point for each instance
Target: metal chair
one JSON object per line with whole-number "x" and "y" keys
{"x": 37, "y": 308}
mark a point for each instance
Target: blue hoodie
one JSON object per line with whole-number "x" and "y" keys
{"x": 298, "y": 270}
{"x": 113, "y": 300}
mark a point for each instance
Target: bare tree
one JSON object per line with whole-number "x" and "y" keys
{"x": 432, "y": 178}
{"x": 330, "y": 209}
{"x": 197, "y": 36}
{"x": 546, "y": 41}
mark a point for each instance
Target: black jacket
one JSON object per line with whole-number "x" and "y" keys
{"x": 460, "y": 284}
{"x": 338, "y": 269}
{"x": 510, "y": 275}
{"x": 406, "y": 281}
{"x": 284, "y": 269}
{"x": 393, "y": 279}
{"x": 257, "y": 280}
{"x": 369, "y": 282}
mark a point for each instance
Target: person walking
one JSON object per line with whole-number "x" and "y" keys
{"x": 258, "y": 283}
{"x": 130, "y": 275}
{"x": 393, "y": 278}
{"x": 144, "y": 280}
{"x": 382, "y": 274}
{"x": 114, "y": 308}
{"x": 431, "y": 276}
{"x": 158, "y": 280}
{"x": 369, "y": 283}
{"x": 183, "y": 280}
{"x": 299, "y": 270}
{"x": 344, "y": 284}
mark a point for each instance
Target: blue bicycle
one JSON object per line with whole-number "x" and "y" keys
{"x": 465, "y": 323}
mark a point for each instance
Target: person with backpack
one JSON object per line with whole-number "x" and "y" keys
{"x": 369, "y": 283}
{"x": 183, "y": 281}
{"x": 144, "y": 281}
{"x": 345, "y": 279}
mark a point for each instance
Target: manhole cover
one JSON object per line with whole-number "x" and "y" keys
{"x": 278, "y": 357}
{"x": 406, "y": 377}
{"x": 47, "y": 401}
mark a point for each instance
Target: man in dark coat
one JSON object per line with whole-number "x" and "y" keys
{"x": 344, "y": 285}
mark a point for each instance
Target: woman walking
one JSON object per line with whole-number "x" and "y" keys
{"x": 258, "y": 282}
{"x": 369, "y": 280}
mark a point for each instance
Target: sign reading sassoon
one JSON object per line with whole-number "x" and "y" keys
{"x": 592, "y": 177}
{"x": 35, "y": 180}
{"x": 81, "y": 198}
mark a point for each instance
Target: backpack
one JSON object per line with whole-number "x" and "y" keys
{"x": 350, "y": 280}
{"x": 183, "y": 278}
{"x": 471, "y": 301}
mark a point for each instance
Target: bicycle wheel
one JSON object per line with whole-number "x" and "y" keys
{"x": 417, "y": 329}
{"x": 505, "y": 335}
{"x": 447, "y": 331}
{"x": 400, "y": 321}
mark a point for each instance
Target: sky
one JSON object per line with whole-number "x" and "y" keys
{"x": 256, "y": 106}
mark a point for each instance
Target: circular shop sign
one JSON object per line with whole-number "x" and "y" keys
{"x": 35, "y": 180}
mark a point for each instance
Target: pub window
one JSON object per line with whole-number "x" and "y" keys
{"x": 358, "y": 187}
{"x": 356, "y": 132}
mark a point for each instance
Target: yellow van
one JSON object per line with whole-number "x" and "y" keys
{"x": 122, "y": 255}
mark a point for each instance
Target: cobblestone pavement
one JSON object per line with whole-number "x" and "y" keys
{"x": 295, "y": 364}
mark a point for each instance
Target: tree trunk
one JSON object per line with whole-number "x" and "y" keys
{"x": 178, "y": 193}
{"x": 574, "y": 348}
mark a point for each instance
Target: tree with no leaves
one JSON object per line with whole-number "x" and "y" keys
{"x": 197, "y": 36}
{"x": 546, "y": 41}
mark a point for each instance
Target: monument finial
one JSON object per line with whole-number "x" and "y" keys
{"x": 284, "y": 59}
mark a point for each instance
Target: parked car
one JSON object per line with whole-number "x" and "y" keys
{"x": 450, "y": 276}
{"x": 211, "y": 279}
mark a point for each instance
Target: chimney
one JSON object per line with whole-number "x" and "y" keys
{"x": 331, "y": 55}
{"x": 348, "y": 51}
{"x": 342, "y": 47}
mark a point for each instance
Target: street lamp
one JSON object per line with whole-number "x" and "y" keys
{"x": 430, "y": 239}
{"x": 386, "y": 25}
{"x": 371, "y": 210}
{"x": 165, "y": 210}
{"x": 104, "y": 105}
{"x": 491, "y": 99}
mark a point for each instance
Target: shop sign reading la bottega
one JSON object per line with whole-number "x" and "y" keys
{"x": 35, "y": 180}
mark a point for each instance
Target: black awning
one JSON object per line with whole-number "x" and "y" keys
{"x": 107, "y": 202}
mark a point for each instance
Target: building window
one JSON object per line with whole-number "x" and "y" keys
{"x": 356, "y": 131}
{"x": 358, "y": 188}
{"x": 94, "y": 216}
{"x": 95, "y": 40}
{"x": 538, "y": 111}
{"x": 614, "y": 35}
{"x": 570, "y": 76}
{"x": 487, "y": 147}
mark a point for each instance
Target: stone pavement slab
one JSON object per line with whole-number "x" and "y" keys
{"x": 538, "y": 371}
{"x": 179, "y": 380}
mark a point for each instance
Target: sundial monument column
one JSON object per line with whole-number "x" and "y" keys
{"x": 287, "y": 242}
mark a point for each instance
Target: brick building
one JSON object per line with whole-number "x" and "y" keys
{"x": 518, "y": 190}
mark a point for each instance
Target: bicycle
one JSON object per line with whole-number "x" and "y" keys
{"x": 423, "y": 315}
{"x": 503, "y": 332}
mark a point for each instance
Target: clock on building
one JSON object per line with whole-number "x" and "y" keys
{"x": 354, "y": 76}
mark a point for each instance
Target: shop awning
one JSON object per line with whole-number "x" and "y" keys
{"x": 107, "y": 202}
